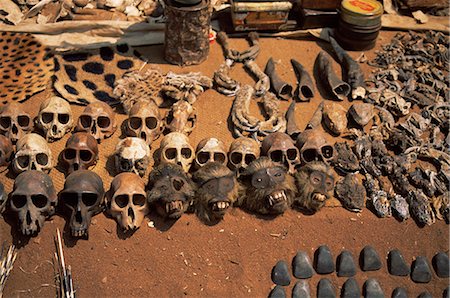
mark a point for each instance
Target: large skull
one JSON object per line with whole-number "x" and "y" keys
{"x": 280, "y": 148}
{"x": 33, "y": 199}
{"x": 14, "y": 122}
{"x": 55, "y": 118}
{"x": 81, "y": 152}
{"x": 98, "y": 119}
{"x": 175, "y": 148}
{"x": 314, "y": 146}
{"x": 127, "y": 200}
{"x": 242, "y": 152}
{"x": 181, "y": 118}
{"x": 132, "y": 155}
{"x": 171, "y": 191}
{"x": 144, "y": 121}
{"x": 6, "y": 151}
{"x": 32, "y": 153}
{"x": 210, "y": 150}
{"x": 81, "y": 199}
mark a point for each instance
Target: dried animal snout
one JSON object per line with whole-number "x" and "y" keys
{"x": 175, "y": 148}
{"x": 144, "y": 121}
{"x": 132, "y": 155}
{"x": 241, "y": 153}
{"x": 55, "y": 118}
{"x": 280, "y": 148}
{"x": 210, "y": 150}
{"x": 14, "y": 122}
{"x": 314, "y": 146}
{"x": 99, "y": 120}
{"x": 81, "y": 152}
{"x": 32, "y": 153}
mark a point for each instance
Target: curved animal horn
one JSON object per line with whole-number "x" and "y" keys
{"x": 305, "y": 86}
{"x": 282, "y": 89}
{"x": 291, "y": 127}
{"x": 328, "y": 77}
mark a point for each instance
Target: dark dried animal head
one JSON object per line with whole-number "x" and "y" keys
{"x": 351, "y": 193}
{"x": 315, "y": 185}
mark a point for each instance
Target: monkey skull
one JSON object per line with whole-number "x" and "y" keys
{"x": 14, "y": 122}
{"x": 55, "y": 118}
{"x": 81, "y": 152}
{"x": 210, "y": 150}
{"x": 144, "y": 121}
{"x": 280, "y": 148}
{"x": 98, "y": 119}
{"x": 175, "y": 148}
{"x": 314, "y": 146}
{"x": 32, "y": 153}
{"x": 132, "y": 155}
{"x": 242, "y": 152}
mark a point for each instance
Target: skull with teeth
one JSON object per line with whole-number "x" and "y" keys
{"x": 242, "y": 152}
{"x": 6, "y": 151}
{"x": 315, "y": 185}
{"x": 269, "y": 189}
{"x": 144, "y": 121}
{"x": 81, "y": 199}
{"x": 217, "y": 190}
{"x": 81, "y": 152}
{"x": 32, "y": 153}
{"x": 210, "y": 150}
{"x": 132, "y": 155}
{"x": 33, "y": 200}
{"x": 14, "y": 122}
{"x": 175, "y": 148}
{"x": 314, "y": 146}
{"x": 127, "y": 200}
{"x": 55, "y": 118}
{"x": 280, "y": 148}
{"x": 98, "y": 119}
{"x": 171, "y": 191}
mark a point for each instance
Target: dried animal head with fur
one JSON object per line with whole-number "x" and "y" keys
{"x": 269, "y": 189}
{"x": 217, "y": 190}
{"x": 315, "y": 185}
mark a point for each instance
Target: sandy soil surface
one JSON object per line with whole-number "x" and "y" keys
{"x": 233, "y": 258}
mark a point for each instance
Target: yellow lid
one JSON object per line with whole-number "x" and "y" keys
{"x": 363, "y": 7}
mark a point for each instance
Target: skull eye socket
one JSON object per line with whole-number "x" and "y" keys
{"x": 5, "y": 122}
{"x": 135, "y": 122}
{"x": 291, "y": 154}
{"x": 139, "y": 200}
{"x": 310, "y": 155}
{"x": 23, "y": 161}
{"x": 276, "y": 155}
{"x": 124, "y": 164}
{"x": 85, "y": 121}
{"x": 85, "y": 155}
{"x": 39, "y": 201}
{"x": 89, "y": 199}
{"x": 186, "y": 152}
{"x": 18, "y": 201}
{"x": 70, "y": 199}
{"x": 23, "y": 120}
{"x": 42, "y": 159}
{"x": 202, "y": 157}
{"x": 121, "y": 200}
{"x": 170, "y": 153}
{"x": 249, "y": 158}
{"x": 327, "y": 151}
{"x": 63, "y": 118}
{"x": 47, "y": 117}
{"x": 236, "y": 157}
{"x": 151, "y": 122}
{"x": 103, "y": 122}
{"x": 219, "y": 157}
{"x": 177, "y": 184}
{"x": 69, "y": 154}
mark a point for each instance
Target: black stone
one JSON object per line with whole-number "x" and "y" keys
{"x": 302, "y": 265}
{"x": 301, "y": 290}
{"x": 323, "y": 260}
{"x": 425, "y": 294}
{"x": 350, "y": 289}
{"x": 396, "y": 264}
{"x": 369, "y": 259}
{"x": 345, "y": 265}
{"x": 325, "y": 289}
{"x": 399, "y": 293}
{"x": 277, "y": 292}
{"x": 372, "y": 289}
{"x": 280, "y": 274}
{"x": 441, "y": 264}
{"x": 421, "y": 272}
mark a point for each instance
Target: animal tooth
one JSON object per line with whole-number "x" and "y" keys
{"x": 168, "y": 208}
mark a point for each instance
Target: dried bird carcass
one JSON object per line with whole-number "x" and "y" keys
{"x": 345, "y": 160}
{"x": 334, "y": 117}
{"x": 338, "y": 88}
{"x": 420, "y": 207}
{"x": 350, "y": 193}
{"x": 187, "y": 86}
{"x": 377, "y": 199}
{"x": 182, "y": 117}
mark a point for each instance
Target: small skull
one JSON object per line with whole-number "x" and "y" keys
{"x": 181, "y": 118}
{"x": 175, "y": 148}
{"x": 6, "y": 151}
{"x": 98, "y": 119}
{"x": 132, "y": 155}
{"x": 14, "y": 122}
{"x": 144, "y": 121}
{"x": 280, "y": 148}
{"x": 55, "y": 118}
{"x": 127, "y": 201}
{"x": 32, "y": 153}
{"x": 171, "y": 191}
{"x": 81, "y": 152}
{"x": 242, "y": 152}
{"x": 210, "y": 150}
{"x": 81, "y": 199}
{"x": 33, "y": 200}
{"x": 314, "y": 146}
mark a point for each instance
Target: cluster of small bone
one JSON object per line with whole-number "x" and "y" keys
{"x": 303, "y": 269}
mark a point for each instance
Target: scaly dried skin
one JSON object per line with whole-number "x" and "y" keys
{"x": 224, "y": 83}
{"x": 263, "y": 83}
{"x": 185, "y": 86}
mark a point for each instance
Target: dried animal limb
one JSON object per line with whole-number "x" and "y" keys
{"x": 352, "y": 72}
{"x": 276, "y": 121}
{"x": 281, "y": 88}
{"x": 224, "y": 83}
{"x": 185, "y": 86}
{"x": 253, "y": 51}
{"x": 7, "y": 258}
{"x": 305, "y": 86}
{"x": 230, "y": 54}
{"x": 64, "y": 278}
{"x": 336, "y": 86}
{"x": 263, "y": 83}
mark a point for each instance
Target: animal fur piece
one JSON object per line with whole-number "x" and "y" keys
{"x": 186, "y": 86}
{"x": 315, "y": 185}
{"x": 26, "y": 66}
{"x": 268, "y": 188}
{"x": 217, "y": 190}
